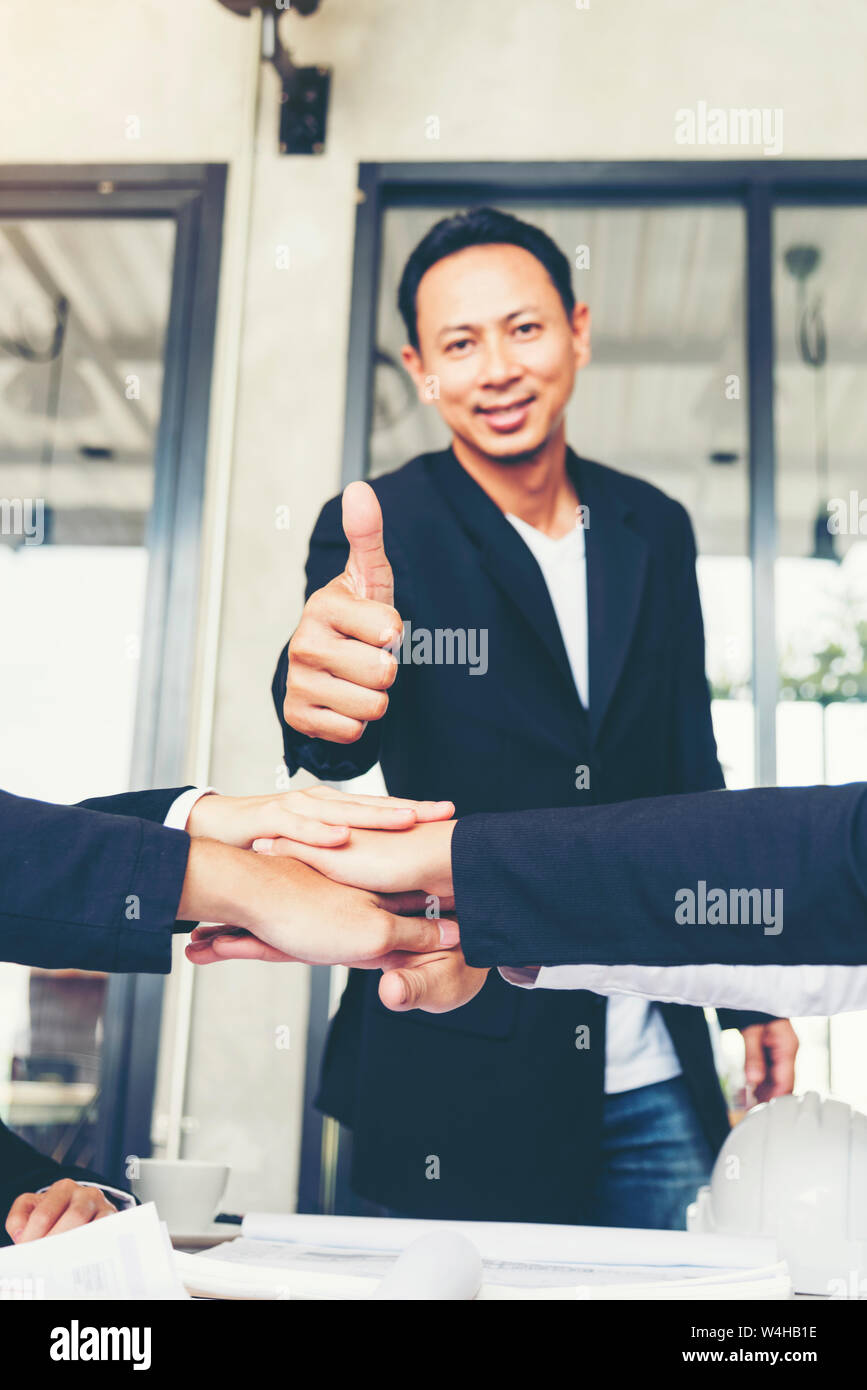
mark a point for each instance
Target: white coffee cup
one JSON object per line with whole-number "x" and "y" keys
{"x": 186, "y": 1192}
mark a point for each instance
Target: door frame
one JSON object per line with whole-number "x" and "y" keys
{"x": 193, "y": 197}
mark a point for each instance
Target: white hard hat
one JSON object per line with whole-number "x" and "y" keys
{"x": 795, "y": 1169}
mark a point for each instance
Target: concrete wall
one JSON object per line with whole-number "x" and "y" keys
{"x": 507, "y": 79}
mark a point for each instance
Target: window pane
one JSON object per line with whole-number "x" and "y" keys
{"x": 83, "y": 315}
{"x": 820, "y": 301}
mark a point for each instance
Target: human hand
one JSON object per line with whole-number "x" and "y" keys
{"x": 418, "y": 859}
{"x": 339, "y": 663}
{"x": 291, "y": 913}
{"x": 769, "y": 1058}
{"x": 314, "y": 816}
{"x": 435, "y": 983}
{"x": 61, "y": 1207}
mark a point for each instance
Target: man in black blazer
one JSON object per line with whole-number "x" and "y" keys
{"x": 517, "y": 1106}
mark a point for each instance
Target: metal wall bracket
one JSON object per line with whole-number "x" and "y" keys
{"x": 305, "y": 91}
{"x": 304, "y": 95}
{"x": 303, "y": 109}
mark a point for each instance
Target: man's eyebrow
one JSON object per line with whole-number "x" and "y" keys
{"x": 457, "y": 328}
{"x": 472, "y": 327}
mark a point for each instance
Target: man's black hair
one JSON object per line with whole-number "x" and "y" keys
{"x": 479, "y": 227}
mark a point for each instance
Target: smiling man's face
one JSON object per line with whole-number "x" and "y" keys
{"x": 495, "y": 335}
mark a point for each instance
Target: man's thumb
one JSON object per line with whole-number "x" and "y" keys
{"x": 402, "y": 989}
{"x": 367, "y": 566}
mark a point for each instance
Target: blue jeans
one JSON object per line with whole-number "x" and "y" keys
{"x": 655, "y": 1157}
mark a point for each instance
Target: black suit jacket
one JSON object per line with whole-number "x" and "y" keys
{"x": 72, "y": 879}
{"x": 600, "y": 886}
{"x": 66, "y": 876}
{"x": 497, "y": 1090}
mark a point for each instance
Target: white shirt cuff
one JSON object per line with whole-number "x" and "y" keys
{"x": 122, "y": 1200}
{"x": 179, "y": 811}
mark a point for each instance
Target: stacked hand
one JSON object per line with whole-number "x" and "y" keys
{"x": 361, "y": 892}
{"x": 392, "y": 874}
{"x": 278, "y": 907}
{"x": 315, "y": 816}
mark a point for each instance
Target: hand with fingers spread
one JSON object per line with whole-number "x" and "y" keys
{"x": 61, "y": 1207}
{"x": 314, "y": 816}
{"x": 340, "y": 665}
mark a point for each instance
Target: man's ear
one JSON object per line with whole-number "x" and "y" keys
{"x": 581, "y": 334}
{"x": 410, "y": 358}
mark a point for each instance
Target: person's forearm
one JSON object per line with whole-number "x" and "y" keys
{"x": 235, "y": 886}
{"x": 85, "y": 889}
{"x": 798, "y": 991}
{"x": 612, "y": 884}
{"x": 297, "y": 913}
{"x": 434, "y": 876}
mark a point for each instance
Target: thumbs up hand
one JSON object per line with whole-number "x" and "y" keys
{"x": 339, "y": 663}
{"x": 367, "y": 568}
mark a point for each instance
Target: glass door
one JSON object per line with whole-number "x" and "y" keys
{"x": 84, "y": 309}
{"x": 106, "y": 325}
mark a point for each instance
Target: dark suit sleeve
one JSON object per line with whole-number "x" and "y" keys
{"x": 695, "y": 764}
{"x": 24, "y": 1169}
{"x": 336, "y": 762}
{"x": 602, "y": 885}
{"x": 87, "y": 890}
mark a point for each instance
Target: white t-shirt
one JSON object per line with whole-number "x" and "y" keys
{"x": 638, "y": 1048}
